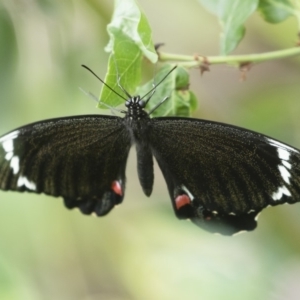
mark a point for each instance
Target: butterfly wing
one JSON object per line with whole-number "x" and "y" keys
{"x": 222, "y": 176}
{"x": 81, "y": 159}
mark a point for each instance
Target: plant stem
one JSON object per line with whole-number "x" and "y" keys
{"x": 235, "y": 60}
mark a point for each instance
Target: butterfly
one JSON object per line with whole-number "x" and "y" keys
{"x": 219, "y": 176}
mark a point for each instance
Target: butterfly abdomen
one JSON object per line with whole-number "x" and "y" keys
{"x": 138, "y": 123}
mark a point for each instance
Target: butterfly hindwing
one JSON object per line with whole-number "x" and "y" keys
{"x": 81, "y": 159}
{"x": 219, "y": 174}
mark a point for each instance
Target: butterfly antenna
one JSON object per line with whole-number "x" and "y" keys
{"x": 119, "y": 80}
{"x": 106, "y": 83}
{"x": 93, "y": 97}
{"x": 157, "y": 105}
{"x": 152, "y": 91}
{"x": 153, "y": 85}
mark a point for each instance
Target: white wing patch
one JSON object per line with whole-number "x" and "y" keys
{"x": 14, "y": 164}
{"x": 281, "y": 146}
{"x": 282, "y": 190}
{"x": 7, "y": 142}
{"x": 10, "y": 136}
{"x": 286, "y": 164}
{"x": 184, "y": 188}
{"x": 23, "y": 181}
{"x": 284, "y": 153}
{"x": 285, "y": 174}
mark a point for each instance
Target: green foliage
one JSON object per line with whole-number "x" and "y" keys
{"x": 275, "y": 11}
{"x": 232, "y": 15}
{"x": 180, "y": 102}
{"x": 140, "y": 250}
{"x": 130, "y": 39}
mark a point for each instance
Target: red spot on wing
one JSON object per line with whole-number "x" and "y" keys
{"x": 182, "y": 200}
{"x": 117, "y": 188}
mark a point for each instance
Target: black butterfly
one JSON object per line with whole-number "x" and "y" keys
{"x": 219, "y": 176}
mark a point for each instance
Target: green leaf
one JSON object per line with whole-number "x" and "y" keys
{"x": 275, "y": 11}
{"x": 180, "y": 102}
{"x": 193, "y": 101}
{"x": 130, "y": 40}
{"x": 129, "y": 21}
{"x": 232, "y": 15}
{"x": 126, "y": 67}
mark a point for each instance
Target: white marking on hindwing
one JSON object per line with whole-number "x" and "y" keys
{"x": 184, "y": 188}
{"x": 23, "y": 181}
{"x": 256, "y": 217}
{"x": 282, "y": 190}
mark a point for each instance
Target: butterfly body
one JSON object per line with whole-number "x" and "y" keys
{"x": 138, "y": 123}
{"x": 219, "y": 176}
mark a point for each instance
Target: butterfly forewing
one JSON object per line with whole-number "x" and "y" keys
{"x": 219, "y": 176}
{"x": 229, "y": 174}
{"x": 82, "y": 159}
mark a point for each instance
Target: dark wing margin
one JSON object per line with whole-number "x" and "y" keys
{"x": 221, "y": 176}
{"x": 80, "y": 158}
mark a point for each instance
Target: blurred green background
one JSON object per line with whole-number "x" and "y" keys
{"x": 140, "y": 251}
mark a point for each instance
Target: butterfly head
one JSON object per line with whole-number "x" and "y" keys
{"x": 135, "y": 108}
